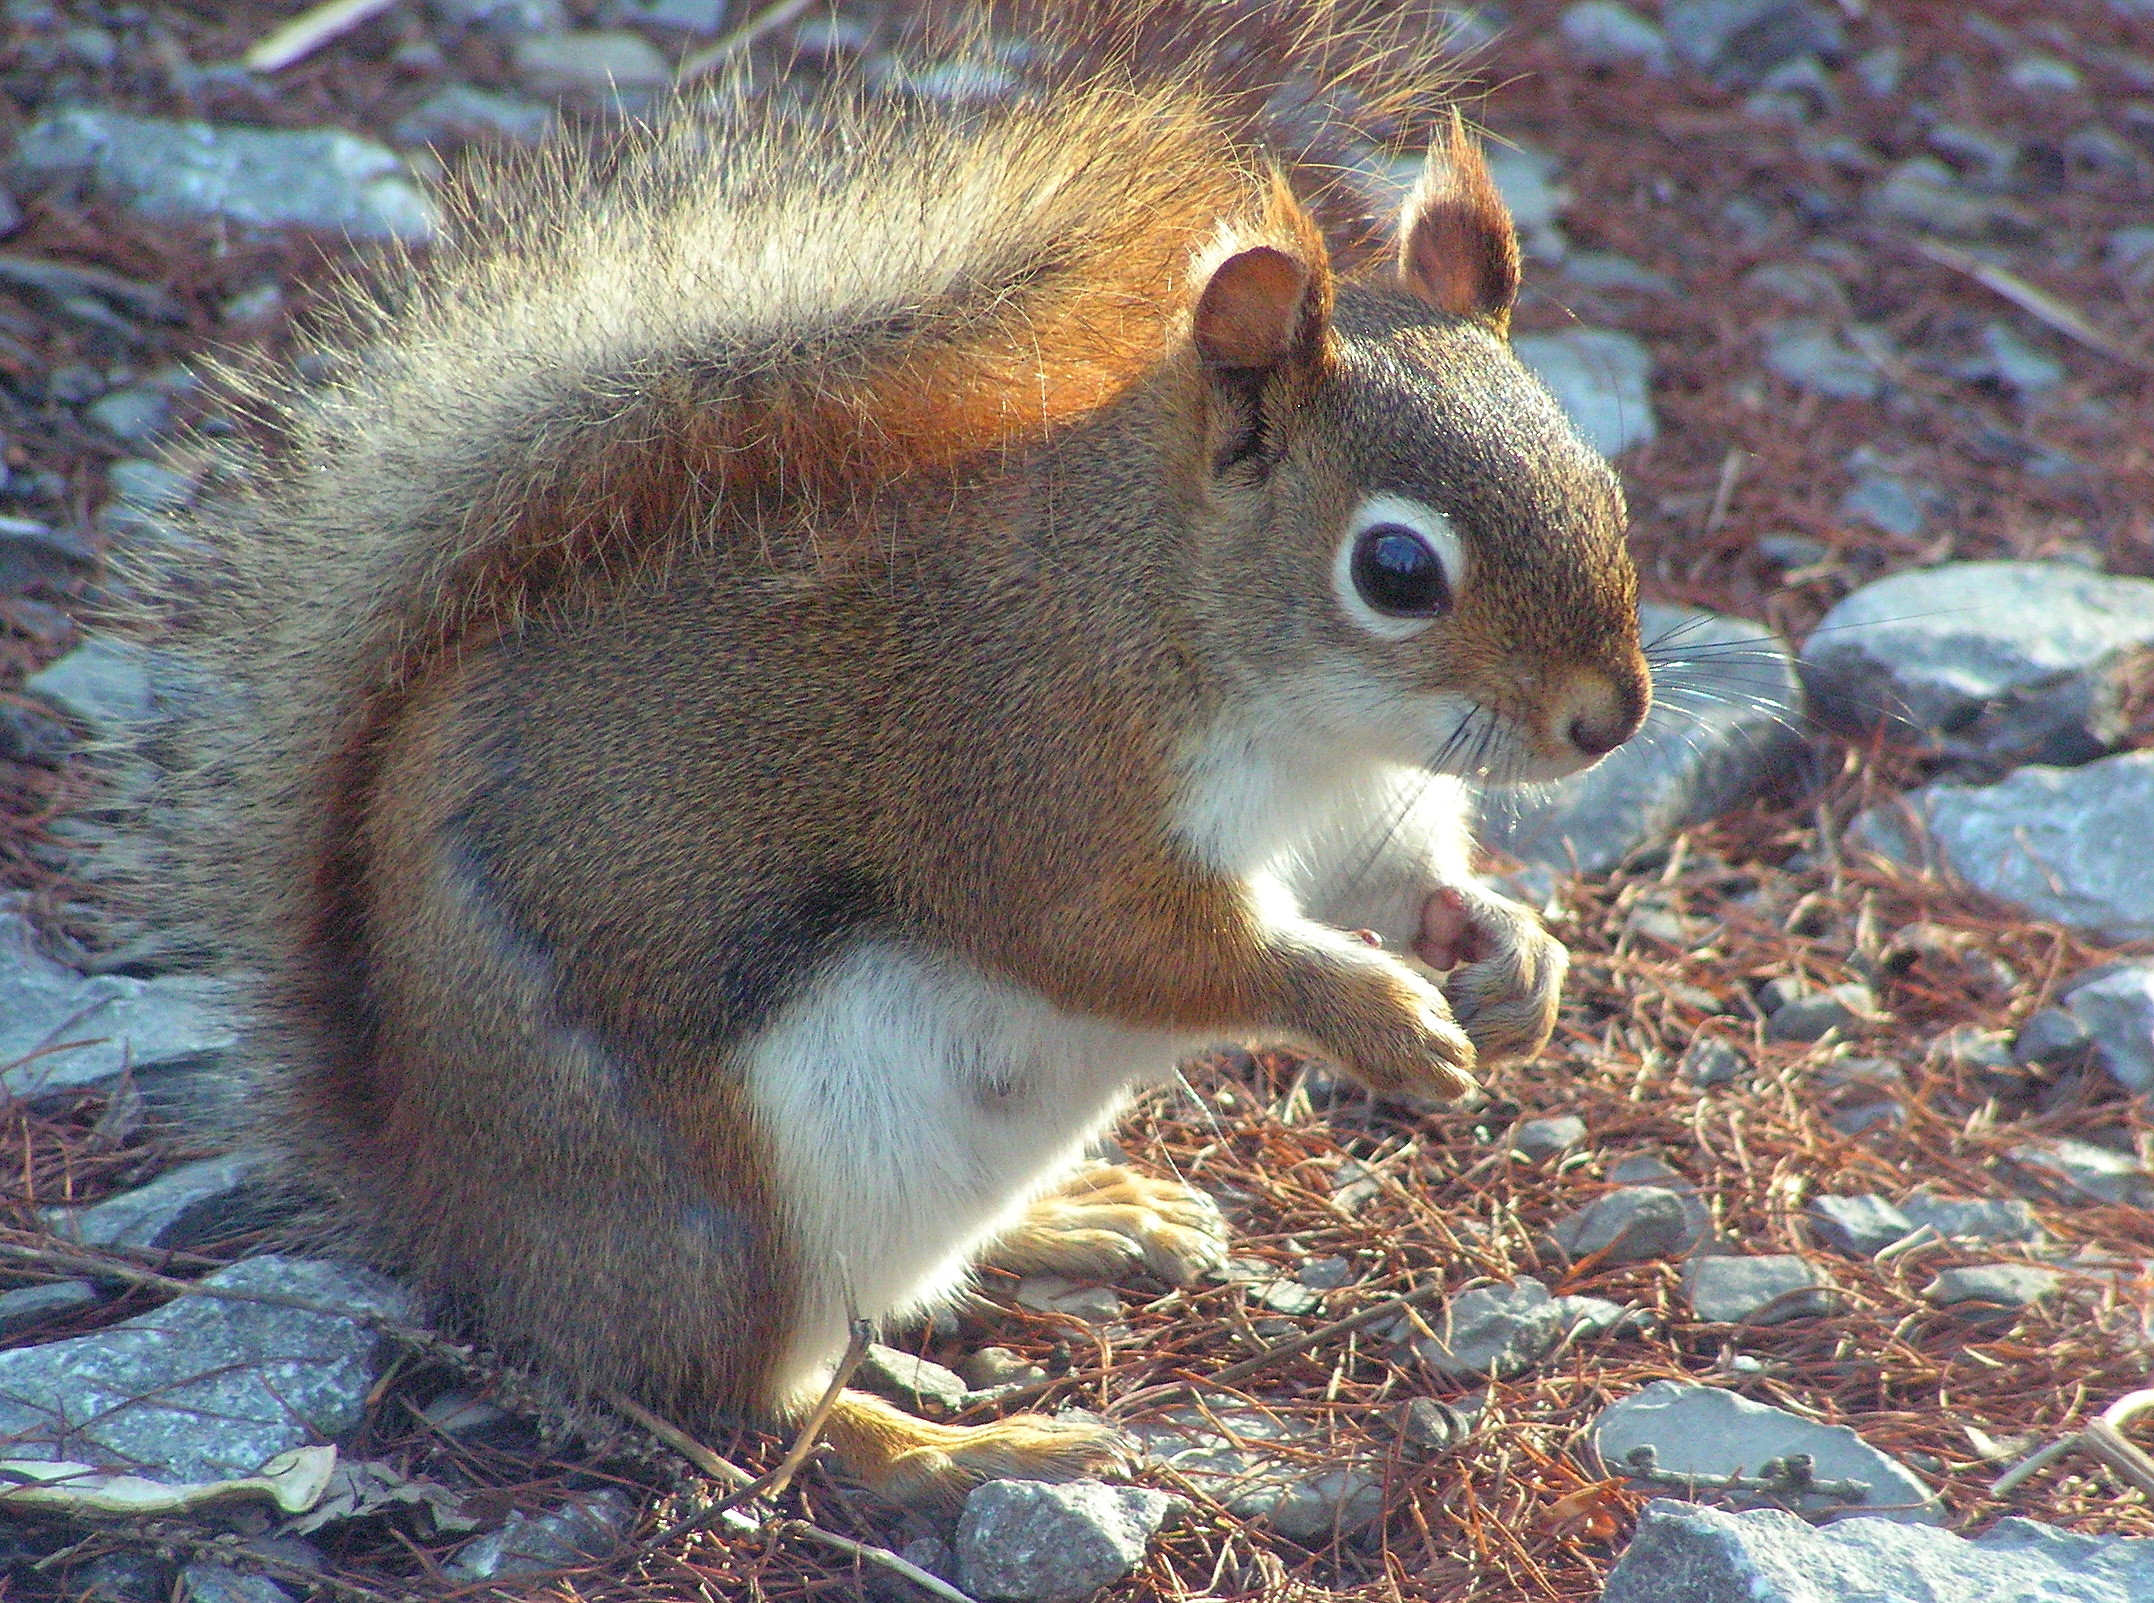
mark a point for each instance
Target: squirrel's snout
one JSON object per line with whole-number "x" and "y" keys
{"x": 1597, "y": 711}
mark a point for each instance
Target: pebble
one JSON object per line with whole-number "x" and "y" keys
{"x": 914, "y": 1382}
{"x": 1993, "y": 1219}
{"x": 596, "y": 61}
{"x": 988, "y": 1367}
{"x": 1923, "y": 192}
{"x": 124, "y": 1578}
{"x": 2019, "y": 366}
{"x": 1709, "y": 1061}
{"x": 1739, "y": 41}
{"x": 1544, "y": 1138}
{"x": 105, "y": 684}
{"x": 1034, "y": 1543}
{"x": 2065, "y": 844}
{"x": 270, "y": 178}
{"x": 2084, "y": 1172}
{"x": 1814, "y": 1016}
{"x": 1053, "y": 1294}
{"x": 1768, "y": 1289}
{"x": 149, "y": 485}
{"x": 27, "y": 736}
{"x": 461, "y": 114}
{"x": 1602, "y": 378}
{"x": 682, "y": 16}
{"x": 124, "y": 1023}
{"x": 206, "y": 1388}
{"x": 2013, "y": 662}
{"x": 1890, "y": 503}
{"x": 1864, "y": 1225}
{"x": 33, "y": 552}
{"x": 27, "y": 1307}
{"x": 132, "y": 416}
{"x": 2052, "y": 1038}
{"x": 181, "y": 1208}
{"x": 507, "y": 17}
{"x": 1275, "y": 1470}
{"x": 575, "y": 1533}
{"x": 1628, "y": 1225}
{"x": 1600, "y": 33}
{"x": 1726, "y": 701}
{"x": 2115, "y": 1010}
{"x": 1708, "y": 1555}
{"x": 1812, "y": 354}
{"x": 2043, "y": 75}
{"x": 216, "y": 1583}
{"x": 1504, "y": 1330}
{"x": 1707, "y": 1430}
{"x": 1990, "y": 1293}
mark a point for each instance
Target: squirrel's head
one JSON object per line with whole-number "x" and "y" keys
{"x": 1401, "y": 540}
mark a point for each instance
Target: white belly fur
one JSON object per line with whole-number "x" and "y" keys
{"x": 916, "y": 1104}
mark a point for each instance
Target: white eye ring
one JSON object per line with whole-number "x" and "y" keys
{"x": 1433, "y": 529}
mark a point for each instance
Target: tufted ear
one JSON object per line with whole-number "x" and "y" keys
{"x": 1255, "y": 311}
{"x": 1260, "y": 328}
{"x": 1457, "y": 248}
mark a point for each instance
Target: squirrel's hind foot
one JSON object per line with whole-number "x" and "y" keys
{"x": 1104, "y": 1219}
{"x": 924, "y": 1465}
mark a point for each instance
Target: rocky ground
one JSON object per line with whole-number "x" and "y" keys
{"x": 1842, "y": 1146}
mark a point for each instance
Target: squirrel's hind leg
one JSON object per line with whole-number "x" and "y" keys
{"x": 1103, "y": 1218}
{"x": 925, "y": 1465}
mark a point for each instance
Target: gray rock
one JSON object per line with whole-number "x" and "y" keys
{"x": 2116, "y": 1010}
{"x": 1603, "y": 269}
{"x": 2012, "y": 661}
{"x": 123, "y": 1578}
{"x": 987, "y": 1367}
{"x": 1602, "y": 377}
{"x": 1739, "y": 41}
{"x": 2061, "y": 843}
{"x": 134, "y": 416}
{"x": 214, "y": 1583}
{"x": 575, "y": 1533}
{"x": 932, "y": 1554}
{"x": 591, "y": 61}
{"x": 506, "y": 17}
{"x": 121, "y": 1023}
{"x": 1681, "y": 1553}
{"x": 1812, "y": 353}
{"x": 1890, "y": 502}
{"x": 1034, "y": 1543}
{"x": 1544, "y": 1138}
{"x": 2081, "y": 1171}
{"x": 1710, "y": 1061}
{"x": 2052, "y": 1038}
{"x": 1527, "y": 179}
{"x": 1974, "y": 1218}
{"x": 1924, "y": 192}
{"x": 319, "y": 178}
{"x": 1864, "y": 1225}
{"x": 924, "y": 1387}
{"x": 2017, "y": 365}
{"x": 1281, "y": 1472}
{"x": 2040, "y": 74}
{"x": 149, "y": 485}
{"x": 685, "y": 16}
{"x": 1705, "y": 1430}
{"x": 460, "y": 114}
{"x": 1053, "y": 1294}
{"x": 1765, "y": 1290}
{"x": 179, "y": 1208}
{"x": 1726, "y": 704}
{"x": 104, "y": 683}
{"x": 206, "y": 1387}
{"x": 1813, "y": 1016}
{"x": 1326, "y": 1274}
{"x": 1628, "y": 1225}
{"x": 29, "y": 1306}
{"x": 1990, "y": 1293}
{"x": 1600, "y": 33}
{"x": 1506, "y": 1330}
{"x": 31, "y": 737}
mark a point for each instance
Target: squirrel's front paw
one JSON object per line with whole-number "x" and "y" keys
{"x": 1506, "y": 971}
{"x": 1413, "y": 1048}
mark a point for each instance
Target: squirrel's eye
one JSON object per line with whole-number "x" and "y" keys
{"x": 1399, "y": 574}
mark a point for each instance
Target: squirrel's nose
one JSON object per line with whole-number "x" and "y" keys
{"x": 1598, "y": 713}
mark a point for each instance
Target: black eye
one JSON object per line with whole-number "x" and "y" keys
{"x": 1398, "y": 574}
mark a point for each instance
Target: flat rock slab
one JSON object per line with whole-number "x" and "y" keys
{"x": 1864, "y": 1225}
{"x": 269, "y": 178}
{"x": 2065, "y": 844}
{"x": 1280, "y": 1471}
{"x": 106, "y": 685}
{"x": 533, "y": 1544}
{"x": 2081, "y": 1171}
{"x": 1767, "y": 1289}
{"x": 1506, "y": 1330}
{"x": 1705, "y": 1430}
{"x": 2116, "y": 1009}
{"x": 2010, "y": 662}
{"x": 1033, "y": 1543}
{"x": 1628, "y": 1225}
{"x": 1727, "y": 707}
{"x": 60, "y": 1030}
{"x": 1974, "y": 1218}
{"x": 177, "y": 1209}
{"x": 1603, "y": 380}
{"x": 206, "y": 1388}
{"x": 1682, "y": 1553}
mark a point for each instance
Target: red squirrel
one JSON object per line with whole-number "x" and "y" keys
{"x": 791, "y": 666}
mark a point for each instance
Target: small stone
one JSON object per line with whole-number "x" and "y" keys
{"x": 1811, "y": 354}
{"x": 1686, "y": 1553}
{"x": 2051, "y": 1039}
{"x": 1647, "y": 1169}
{"x": 1627, "y": 1226}
{"x": 1288, "y": 1297}
{"x": 1707, "y": 1430}
{"x": 1052, "y": 1294}
{"x": 1603, "y": 380}
{"x": 2115, "y": 1013}
{"x": 2061, "y": 843}
{"x": 1506, "y": 1330}
{"x": 104, "y": 683}
{"x": 575, "y": 1533}
{"x": 1739, "y": 41}
{"x": 1727, "y": 705}
{"x": 1601, "y": 33}
{"x": 2017, "y": 365}
{"x": 1990, "y": 1293}
{"x": 149, "y": 485}
{"x": 1811, "y": 1018}
{"x": 1326, "y": 1274}
{"x": 2043, "y": 75}
{"x": 1888, "y": 502}
{"x": 31, "y": 737}
{"x": 1710, "y": 1061}
{"x": 988, "y": 1367}
{"x": 214, "y": 1583}
{"x": 1544, "y": 1138}
{"x": 924, "y": 1387}
{"x": 2086, "y": 1172}
{"x": 1035, "y": 1543}
{"x": 32, "y": 552}
{"x": 1531, "y": 187}
{"x": 1993, "y": 1219}
{"x": 132, "y": 416}
{"x": 1769, "y": 1289}
{"x": 460, "y": 114}
{"x": 31, "y": 1306}
{"x": 504, "y": 17}
{"x": 590, "y": 61}
{"x": 123, "y": 1578}
{"x": 1436, "y": 1426}
{"x": 682, "y": 16}
{"x": 1924, "y": 192}
{"x": 932, "y": 1554}
{"x": 1864, "y": 1225}
{"x": 1275, "y": 1470}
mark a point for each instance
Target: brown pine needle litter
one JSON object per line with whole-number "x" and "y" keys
{"x": 1515, "y": 1505}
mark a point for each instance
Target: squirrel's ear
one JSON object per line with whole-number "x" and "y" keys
{"x": 1257, "y": 310}
{"x": 1457, "y": 248}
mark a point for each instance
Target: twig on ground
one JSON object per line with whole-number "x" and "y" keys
{"x": 308, "y": 32}
{"x": 764, "y": 22}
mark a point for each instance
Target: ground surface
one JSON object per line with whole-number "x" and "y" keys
{"x": 1680, "y": 178}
